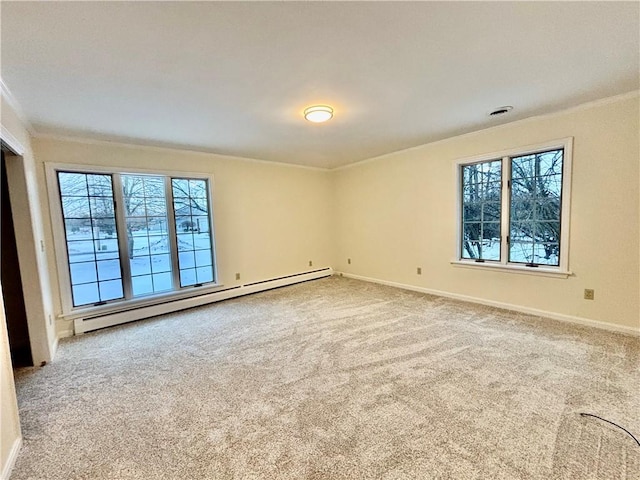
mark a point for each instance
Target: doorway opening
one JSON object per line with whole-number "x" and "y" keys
{"x": 13, "y": 294}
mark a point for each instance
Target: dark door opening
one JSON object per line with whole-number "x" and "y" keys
{"x": 13, "y": 296}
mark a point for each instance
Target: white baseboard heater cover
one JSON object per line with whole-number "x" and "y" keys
{"x": 82, "y": 325}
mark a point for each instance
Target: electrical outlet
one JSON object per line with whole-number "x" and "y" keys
{"x": 237, "y": 276}
{"x": 419, "y": 270}
{"x": 50, "y": 320}
{"x": 349, "y": 261}
{"x": 589, "y": 293}
{"x": 310, "y": 263}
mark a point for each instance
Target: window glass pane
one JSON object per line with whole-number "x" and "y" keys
{"x": 202, "y": 241}
{"x": 198, "y": 189}
{"x": 140, "y": 266}
{"x": 90, "y": 229}
{"x": 535, "y": 208}
{"x": 200, "y": 224}
{"x": 142, "y": 285}
{"x": 199, "y": 206}
{"x": 101, "y": 207}
{"x": 188, "y": 277}
{"x": 472, "y": 212}
{"x": 72, "y": 184}
{"x": 78, "y": 229}
{"x": 162, "y": 282}
{"x": 159, "y": 244}
{"x": 180, "y": 187}
{"x": 160, "y": 263}
{"x": 85, "y": 294}
{"x": 186, "y": 259}
{"x": 193, "y": 230}
{"x": 548, "y": 209}
{"x": 204, "y": 274}
{"x": 140, "y": 243}
{"x": 185, "y": 241}
{"x": 76, "y": 207}
{"x": 203, "y": 258}
{"x": 110, "y": 290}
{"x": 154, "y": 187}
{"x": 99, "y": 185}
{"x": 156, "y": 206}
{"x": 105, "y": 229}
{"x": 547, "y": 253}
{"x": 106, "y": 249}
{"x": 108, "y": 269}
{"x": 481, "y": 210}
{"x": 521, "y": 252}
{"x": 80, "y": 251}
{"x": 147, "y": 233}
{"x": 491, "y": 212}
{"x": 84, "y": 272}
{"x": 134, "y": 207}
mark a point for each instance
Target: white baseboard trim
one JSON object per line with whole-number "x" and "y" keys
{"x": 507, "y": 306}
{"x": 111, "y": 319}
{"x": 11, "y": 459}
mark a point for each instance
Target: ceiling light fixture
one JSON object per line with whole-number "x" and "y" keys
{"x": 501, "y": 110}
{"x": 318, "y": 113}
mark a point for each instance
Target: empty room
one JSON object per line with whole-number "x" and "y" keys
{"x": 320, "y": 240}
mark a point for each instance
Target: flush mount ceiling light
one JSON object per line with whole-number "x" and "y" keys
{"x": 318, "y": 113}
{"x": 500, "y": 111}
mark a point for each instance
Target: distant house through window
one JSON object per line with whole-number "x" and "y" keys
{"x": 514, "y": 208}
{"x": 133, "y": 235}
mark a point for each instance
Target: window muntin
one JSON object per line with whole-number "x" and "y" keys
{"x": 193, "y": 232}
{"x": 481, "y": 207}
{"x": 121, "y": 236}
{"x": 536, "y": 186}
{"x": 535, "y": 208}
{"x": 90, "y": 232}
{"x": 145, "y": 209}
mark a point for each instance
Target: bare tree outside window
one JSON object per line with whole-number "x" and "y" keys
{"x": 89, "y": 214}
{"x": 481, "y": 206}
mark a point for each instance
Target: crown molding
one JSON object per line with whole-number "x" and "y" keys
{"x": 150, "y": 146}
{"x": 11, "y": 100}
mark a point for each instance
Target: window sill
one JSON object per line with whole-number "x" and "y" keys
{"x": 123, "y": 305}
{"x": 540, "y": 271}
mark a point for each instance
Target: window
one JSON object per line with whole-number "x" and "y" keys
{"x": 130, "y": 236}
{"x": 514, "y": 208}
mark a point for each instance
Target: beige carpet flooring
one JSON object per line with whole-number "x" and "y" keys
{"x": 334, "y": 379}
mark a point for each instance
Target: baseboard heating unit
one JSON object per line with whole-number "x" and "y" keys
{"x": 87, "y": 324}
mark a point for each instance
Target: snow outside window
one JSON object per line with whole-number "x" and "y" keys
{"x": 130, "y": 235}
{"x": 513, "y": 208}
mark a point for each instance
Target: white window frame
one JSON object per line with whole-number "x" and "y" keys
{"x": 69, "y": 312}
{"x": 562, "y": 270}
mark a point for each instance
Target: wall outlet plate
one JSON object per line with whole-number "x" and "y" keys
{"x": 589, "y": 294}
{"x": 237, "y": 276}
{"x": 419, "y": 270}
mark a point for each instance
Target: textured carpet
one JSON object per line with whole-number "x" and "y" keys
{"x": 334, "y": 379}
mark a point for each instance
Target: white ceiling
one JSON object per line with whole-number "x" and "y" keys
{"x": 234, "y": 77}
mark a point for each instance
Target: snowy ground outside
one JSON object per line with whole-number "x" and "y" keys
{"x": 95, "y": 266}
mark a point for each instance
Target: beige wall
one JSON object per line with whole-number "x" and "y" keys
{"x": 10, "y": 431}
{"x": 270, "y": 219}
{"x": 398, "y": 212}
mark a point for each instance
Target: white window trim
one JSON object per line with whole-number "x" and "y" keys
{"x": 64, "y": 280}
{"x": 565, "y": 214}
